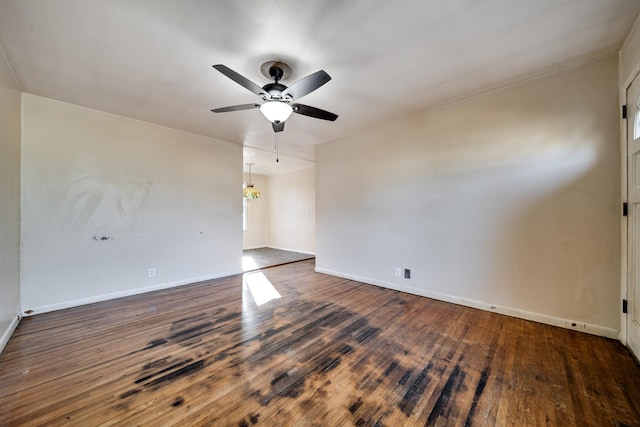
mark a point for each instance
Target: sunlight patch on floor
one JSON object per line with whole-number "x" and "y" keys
{"x": 260, "y": 287}
{"x": 248, "y": 263}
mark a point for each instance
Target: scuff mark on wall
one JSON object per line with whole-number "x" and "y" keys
{"x": 96, "y": 238}
{"x": 101, "y": 201}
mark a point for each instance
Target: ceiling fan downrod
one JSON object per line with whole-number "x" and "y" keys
{"x": 276, "y": 73}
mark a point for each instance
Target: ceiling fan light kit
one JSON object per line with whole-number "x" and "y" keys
{"x": 276, "y": 111}
{"x": 279, "y": 99}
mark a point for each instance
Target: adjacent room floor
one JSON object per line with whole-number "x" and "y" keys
{"x": 254, "y": 259}
{"x": 289, "y": 346}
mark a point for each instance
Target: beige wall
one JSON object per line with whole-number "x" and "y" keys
{"x": 9, "y": 201}
{"x": 291, "y": 214}
{"x": 105, "y": 198}
{"x": 284, "y": 218}
{"x": 630, "y": 55}
{"x": 256, "y": 235}
{"x": 508, "y": 201}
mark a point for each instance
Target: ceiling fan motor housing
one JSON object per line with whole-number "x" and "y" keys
{"x": 274, "y": 90}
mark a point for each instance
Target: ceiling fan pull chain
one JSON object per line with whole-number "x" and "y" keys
{"x": 277, "y": 159}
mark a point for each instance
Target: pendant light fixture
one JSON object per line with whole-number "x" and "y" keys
{"x": 249, "y": 191}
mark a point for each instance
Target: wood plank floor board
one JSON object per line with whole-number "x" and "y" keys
{"x": 330, "y": 352}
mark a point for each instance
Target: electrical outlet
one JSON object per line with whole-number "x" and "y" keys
{"x": 398, "y": 272}
{"x": 152, "y": 272}
{"x": 407, "y": 273}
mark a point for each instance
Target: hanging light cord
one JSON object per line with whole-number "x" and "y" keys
{"x": 276, "y": 138}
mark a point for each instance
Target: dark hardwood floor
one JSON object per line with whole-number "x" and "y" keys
{"x": 328, "y": 352}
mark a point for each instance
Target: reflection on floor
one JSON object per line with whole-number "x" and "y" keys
{"x": 255, "y": 259}
{"x": 261, "y": 288}
{"x": 287, "y": 346}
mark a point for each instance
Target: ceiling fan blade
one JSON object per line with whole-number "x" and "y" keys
{"x": 236, "y": 108}
{"x": 241, "y": 80}
{"x": 316, "y": 113}
{"x": 278, "y": 127}
{"x": 307, "y": 84}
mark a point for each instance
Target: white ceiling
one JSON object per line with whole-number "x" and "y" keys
{"x": 264, "y": 162}
{"x": 152, "y": 59}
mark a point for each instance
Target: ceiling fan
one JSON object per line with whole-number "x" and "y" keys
{"x": 279, "y": 99}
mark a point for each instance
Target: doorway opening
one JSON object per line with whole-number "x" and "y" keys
{"x": 279, "y": 227}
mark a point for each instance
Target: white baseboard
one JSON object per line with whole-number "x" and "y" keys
{"x": 105, "y": 297}
{"x": 9, "y": 331}
{"x": 589, "y": 328}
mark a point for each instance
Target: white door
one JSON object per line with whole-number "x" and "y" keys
{"x": 633, "y": 240}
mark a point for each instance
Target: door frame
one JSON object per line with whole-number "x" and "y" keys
{"x": 624, "y": 223}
